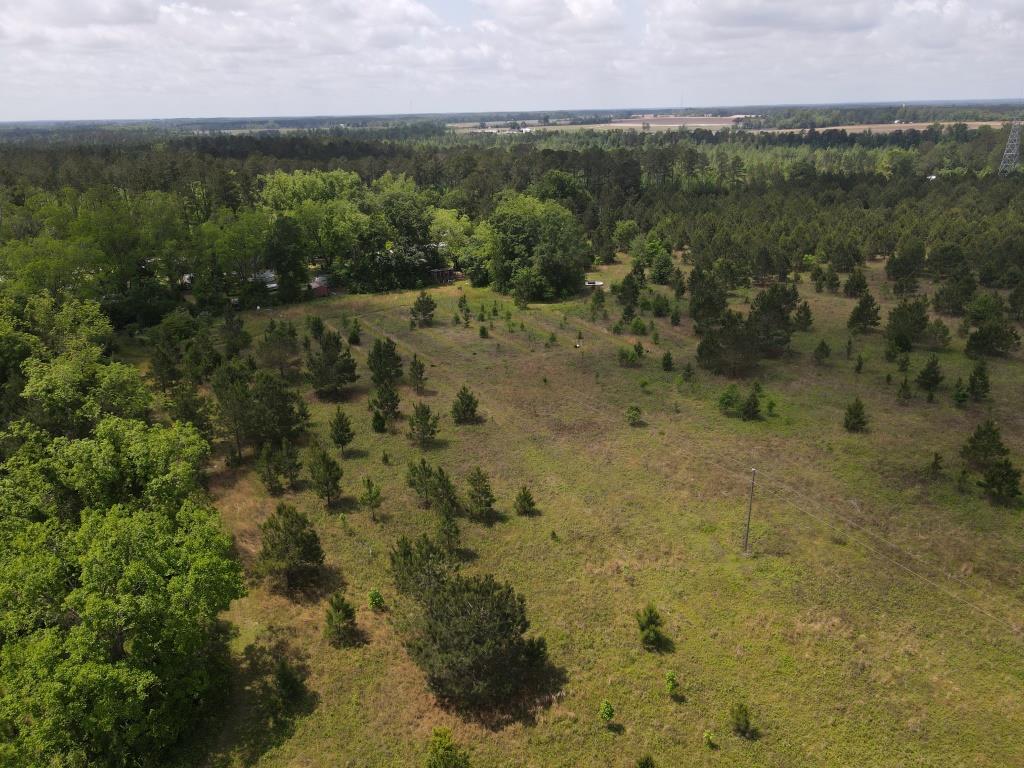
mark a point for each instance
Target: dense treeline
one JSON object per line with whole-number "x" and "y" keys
{"x": 135, "y": 224}
{"x": 818, "y": 117}
{"x": 113, "y": 565}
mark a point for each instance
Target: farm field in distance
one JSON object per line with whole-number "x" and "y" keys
{"x": 893, "y": 127}
{"x": 847, "y": 632}
{"x": 657, "y": 123}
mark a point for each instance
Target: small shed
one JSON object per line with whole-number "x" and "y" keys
{"x": 320, "y": 286}
{"x": 444, "y": 276}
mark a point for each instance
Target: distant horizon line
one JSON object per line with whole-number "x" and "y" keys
{"x": 513, "y": 112}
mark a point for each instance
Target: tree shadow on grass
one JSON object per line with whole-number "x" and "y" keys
{"x": 321, "y": 582}
{"x": 268, "y": 695}
{"x": 542, "y": 688}
{"x": 344, "y": 504}
{"x": 355, "y": 453}
{"x": 435, "y": 445}
{"x": 661, "y": 644}
{"x": 491, "y": 519}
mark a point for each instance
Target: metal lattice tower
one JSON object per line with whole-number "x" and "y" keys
{"x": 1011, "y": 156}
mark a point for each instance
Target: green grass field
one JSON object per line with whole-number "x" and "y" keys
{"x": 877, "y": 623}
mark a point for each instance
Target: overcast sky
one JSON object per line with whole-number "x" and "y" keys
{"x": 151, "y": 58}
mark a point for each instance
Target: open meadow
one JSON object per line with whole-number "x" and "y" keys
{"x": 877, "y": 622}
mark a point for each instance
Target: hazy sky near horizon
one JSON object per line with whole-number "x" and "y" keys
{"x": 86, "y": 59}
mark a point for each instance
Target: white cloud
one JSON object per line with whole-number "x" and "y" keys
{"x": 138, "y": 58}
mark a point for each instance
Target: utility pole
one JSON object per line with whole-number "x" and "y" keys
{"x": 750, "y": 508}
{"x": 1011, "y": 155}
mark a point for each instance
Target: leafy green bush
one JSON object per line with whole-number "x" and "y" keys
{"x": 376, "y": 601}
{"x": 443, "y": 752}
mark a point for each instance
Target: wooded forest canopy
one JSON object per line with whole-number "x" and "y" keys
{"x": 132, "y": 223}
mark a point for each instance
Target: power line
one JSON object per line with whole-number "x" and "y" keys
{"x": 1011, "y": 155}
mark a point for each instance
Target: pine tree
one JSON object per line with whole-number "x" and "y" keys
{"x": 419, "y": 477}
{"x": 291, "y": 553}
{"x": 315, "y": 325}
{"x": 597, "y": 303}
{"x": 984, "y": 448}
{"x": 802, "y": 319}
{"x": 235, "y": 337}
{"x": 849, "y": 348}
{"x": 279, "y": 346}
{"x": 288, "y": 462}
{"x": 904, "y": 395}
{"x": 960, "y": 393}
{"x": 865, "y": 315}
{"x": 860, "y": 364}
{"x": 856, "y": 285}
{"x": 832, "y": 281}
{"x": 448, "y": 536}
{"x": 525, "y": 506}
{"x": 1001, "y": 481}
{"x": 266, "y": 468}
{"x": 325, "y": 474}
{"x": 739, "y": 719}
{"x": 464, "y": 407}
{"x": 370, "y": 499}
{"x": 354, "y": 333}
{"x": 978, "y": 386}
{"x": 273, "y": 464}
{"x": 751, "y": 410}
{"x": 480, "y": 497}
{"x": 422, "y": 425}
{"x": 856, "y": 419}
{"x": 378, "y": 422}
{"x": 187, "y": 404}
{"x": 385, "y": 401}
{"x": 384, "y": 362}
{"x": 930, "y": 377}
{"x": 340, "y": 622}
{"x": 822, "y": 352}
{"x": 332, "y": 367}
{"x": 417, "y": 374}
{"x": 341, "y": 429}
{"x": 422, "y": 312}
{"x": 666, "y": 362}
{"x": 936, "y": 335}
{"x": 649, "y": 621}
{"x": 444, "y": 497}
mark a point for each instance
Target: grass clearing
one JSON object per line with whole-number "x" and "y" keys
{"x": 843, "y": 656}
